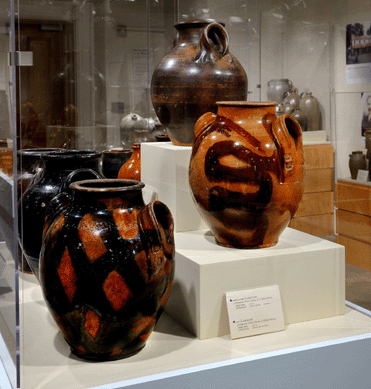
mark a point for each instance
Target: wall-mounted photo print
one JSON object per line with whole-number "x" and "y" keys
{"x": 358, "y": 53}
{"x": 366, "y": 111}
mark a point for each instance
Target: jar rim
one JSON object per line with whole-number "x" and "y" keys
{"x": 71, "y": 154}
{"x": 197, "y": 22}
{"x": 107, "y": 185}
{"x": 246, "y": 104}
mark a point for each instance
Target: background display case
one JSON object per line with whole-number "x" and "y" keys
{"x": 70, "y": 71}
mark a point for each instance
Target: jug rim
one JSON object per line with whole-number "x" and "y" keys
{"x": 107, "y": 185}
{"x": 279, "y": 79}
{"x": 197, "y": 22}
{"x": 246, "y": 104}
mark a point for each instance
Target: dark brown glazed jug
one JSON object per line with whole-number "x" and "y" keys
{"x": 106, "y": 266}
{"x": 246, "y": 172}
{"x": 197, "y": 73}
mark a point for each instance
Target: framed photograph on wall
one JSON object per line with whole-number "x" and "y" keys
{"x": 366, "y": 111}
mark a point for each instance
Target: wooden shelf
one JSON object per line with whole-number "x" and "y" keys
{"x": 353, "y": 222}
{"x": 315, "y": 214}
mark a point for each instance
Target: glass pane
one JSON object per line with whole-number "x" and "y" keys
{"x": 8, "y": 241}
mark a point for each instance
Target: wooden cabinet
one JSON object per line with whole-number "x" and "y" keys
{"x": 315, "y": 214}
{"x": 353, "y": 221}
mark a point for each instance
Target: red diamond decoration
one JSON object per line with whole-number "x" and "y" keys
{"x": 67, "y": 275}
{"x": 116, "y": 290}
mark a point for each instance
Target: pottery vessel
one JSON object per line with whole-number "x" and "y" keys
{"x": 246, "y": 172}
{"x": 128, "y": 125}
{"x": 162, "y": 138}
{"x": 61, "y": 168}
{"x": 131, "y": 169}
{"x": 277, "y": 89}
{"x": 112, "y": 160}
{"x": 357, "y": 161}
{"x": 292, "y": 98}
{"x": 287, "y": 108}
{"x": 30, "y": 167}
{"x": 298, "y": 115}
{"x": 107, "y": 267}
{"x": 310, "y": 108}
{"x": 197, "y": 73}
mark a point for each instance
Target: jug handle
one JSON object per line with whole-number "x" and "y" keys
{"x": 203, "y": 123}
{"x": 287, "y": 137}
{"x": 55, "y": 208}
{"x": 156, "y": 225}
{"x": 78, "y": 175}
{"x": 214, "y": 42}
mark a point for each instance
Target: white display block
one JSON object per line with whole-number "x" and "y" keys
{"x": 314, "y": 137}
{"x": 165, "y": 168}
{"x": 309, "y": 271}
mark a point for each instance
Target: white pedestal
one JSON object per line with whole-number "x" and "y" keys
{"x": 165, "y": 168}
{"x": 310, "y": 273}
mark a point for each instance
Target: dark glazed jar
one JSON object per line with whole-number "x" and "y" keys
{"x": 112, "y": 160}
{"x": 246, "y": 173}
{"x": 357, "y": 161}
{"x": 190, "y": 80}
{"x": 61, "y": 168}
{"x": 30, "y": 167}
{"x": 107, "y": 266}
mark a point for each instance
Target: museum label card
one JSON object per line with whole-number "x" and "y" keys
{"x": 255, "y": 311}
{"x": 362, "y": 175}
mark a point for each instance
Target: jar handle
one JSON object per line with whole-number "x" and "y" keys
{"x": 203, "y": 123}
{"x": 156, "y": 226}
{"x": 78, "y": 175}
{"x": 287, "y": 137}
{"x": 214, "y": 42}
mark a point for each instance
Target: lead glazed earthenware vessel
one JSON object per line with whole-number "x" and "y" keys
{"x": 190, "y": 80}
{"x": 30, "y": 167}
{"x": 131, "y": 169}
{"x": 246, "y": 172}
{"x": 61, "y": 168}
{"x": 107, "y": 266}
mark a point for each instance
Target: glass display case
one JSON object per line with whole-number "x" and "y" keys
{"x": 76, "y": 75}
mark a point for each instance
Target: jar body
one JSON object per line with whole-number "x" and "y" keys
{"x": 292, "y": 98}
{"x": 30, "y": 167}
{"x": 82, "y": 164}
{"x": 107, "y": 267}
{"x": 247, "y": 178}
{"x": 193, "y": 77}
{"x": 357, "y": 161}
{"x": 277, "y": 89}
{"x": 310, "y": 108}
{"x": 131, "y": 169}
{"x": 112, "y": 160}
